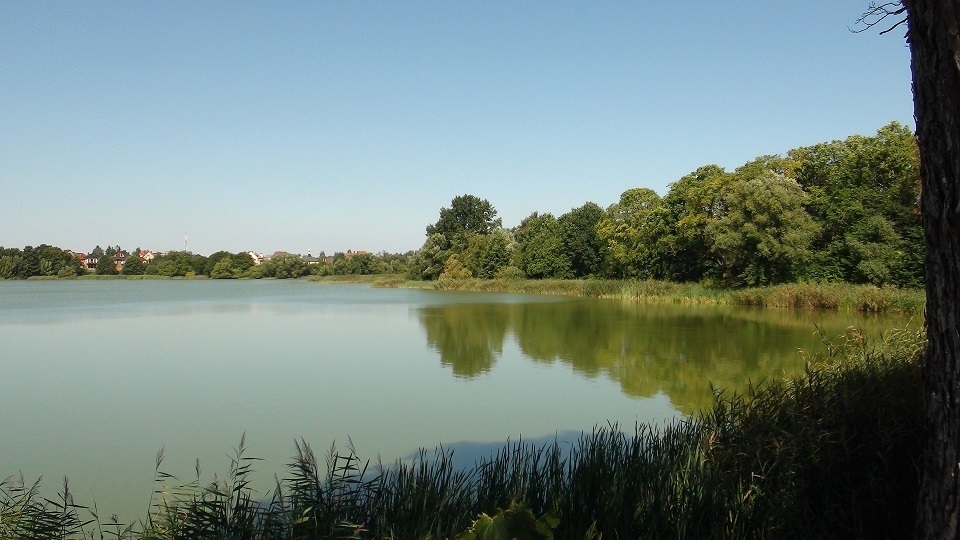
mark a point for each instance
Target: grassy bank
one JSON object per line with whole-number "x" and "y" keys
{"x": 382, "y": 280}
{"x": 840, "y": 296}
{"x": 831, "y": 454}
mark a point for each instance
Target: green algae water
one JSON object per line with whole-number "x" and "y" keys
{"x": 97, "y": 376}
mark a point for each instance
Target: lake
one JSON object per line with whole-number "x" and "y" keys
{"x": 100, "y": 375}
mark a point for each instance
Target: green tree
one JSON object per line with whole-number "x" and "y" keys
{"x": 11, "y": 264}
{"x": 484, "y": 254}
{"x": 133, "y": 264}
{"x": 31, "y": 262}
{"x": 180, "y": 264}
{"x": 223, "y": 269}
{"x": 765, "y": 234}
{"x": 467, "y": 214}
{"x": 539, "y": 251}
{"x": 693, "y": 202}
{"x": 213, "y": 259}
{"x": 286, "y": 266}
{"x": 105, "y": 265}
{"x": 496, "y": 255}
{"x": 52, "y": 260}
{"x": 344, "y": 266}
{"x": 241, "y": 261}
{"x": 628, "y": 232}
{"x": 454, "y": 270}
{"x": 428, "y": 263}
{"x": 854, "y": 187}
{"x": 581, "y": 243}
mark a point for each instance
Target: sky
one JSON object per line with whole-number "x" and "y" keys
{"x": 331, "y": 126}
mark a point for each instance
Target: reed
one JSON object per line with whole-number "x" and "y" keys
{"x": 838, "y": 296}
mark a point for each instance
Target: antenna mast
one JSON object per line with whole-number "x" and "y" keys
{"x": 184, "y": 241}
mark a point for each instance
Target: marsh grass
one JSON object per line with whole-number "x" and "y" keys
{"x": 25, "y": 513}
{"x": 122, "y": 276}
{"x": 829, "y": 454}
{"x": 837, "y": 296}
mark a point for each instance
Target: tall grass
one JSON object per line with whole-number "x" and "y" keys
{"x": 842, "y": 296}
{"x": 829, "y": 454}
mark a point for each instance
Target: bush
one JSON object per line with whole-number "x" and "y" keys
{"x": 509, "y": 273}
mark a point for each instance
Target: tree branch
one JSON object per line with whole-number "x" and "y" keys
{"x": 877, "y": 13}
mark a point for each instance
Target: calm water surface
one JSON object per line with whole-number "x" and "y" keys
{"x": 97, "y": 376}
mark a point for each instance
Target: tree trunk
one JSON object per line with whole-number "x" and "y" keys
{"x": 935, "y": 62}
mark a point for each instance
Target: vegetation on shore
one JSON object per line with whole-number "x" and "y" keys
{"x": 836, "y": 212}
{"x": 840, "y": 296}
{"x": 842, "y": 211}
{"x": 830, "y": 454}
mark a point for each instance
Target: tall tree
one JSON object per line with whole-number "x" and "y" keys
{"x": 764, "y": 235}
{"x": 580, "y": 240}
{"x": 467, "y": 214}
{"x": 539, "y": 250}
{"x": 628, "y": 232}
{"x": 105, "y": 265}
{"x": 693, "y": 203}
{"x": 133, "y": 265}
{"x": 935, "y": 63}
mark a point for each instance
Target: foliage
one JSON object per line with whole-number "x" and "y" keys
{"x": 133, "y": 265}
{"x": 428, "y": 262}
{"x": 286, "y": 266}
{"x": 864, "y": 193}
{"x": 453, "y": 270}
{"x": 540, "y": 249}
{"x": 180, "y": 264}
{"x": 581, "y": 242}
{"x": 467, "y": 214}
{"x": 509, "y": 273}
{"x": 224, "y": 269}
{"x": 628, "y": 231}
{"x": 43, "y": 260}
{"x": 765, "y": 234}
{"x": 515, "y": 522}
{"x": 106, "y": 265}
{"x": 839, "y": 211}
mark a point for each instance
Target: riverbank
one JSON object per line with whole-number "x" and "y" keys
{"x": 830, "y": 454}
{"x": 839, "y": 296}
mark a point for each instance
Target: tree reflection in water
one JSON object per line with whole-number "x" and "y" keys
{"x": 676, "y": 350}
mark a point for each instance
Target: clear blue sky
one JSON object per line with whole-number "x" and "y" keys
{"x": 301, "y": 125}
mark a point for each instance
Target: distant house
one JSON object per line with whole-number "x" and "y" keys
{"x": 118, "y": 259}
{"x": 91, "y": 261}
{"x": 349, "y": 254}
{"x": 147, "y": 256}
{"x": 309, "y": 259}
{"x": 258, "y": 258}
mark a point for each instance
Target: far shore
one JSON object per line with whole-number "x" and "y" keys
{"x": 836, "y": 296}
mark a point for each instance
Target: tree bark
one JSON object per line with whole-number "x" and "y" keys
{"x": 935, "y": 62}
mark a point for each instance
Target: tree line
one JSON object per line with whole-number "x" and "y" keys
{"x": 50, "y": 261}
{"x": 837, "y": 211}
{"x": 841, "y": 211}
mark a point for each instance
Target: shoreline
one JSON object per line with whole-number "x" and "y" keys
{"x": 834, "y": 296}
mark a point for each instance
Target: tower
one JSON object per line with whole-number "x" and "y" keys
{"x": 185, "y": 241}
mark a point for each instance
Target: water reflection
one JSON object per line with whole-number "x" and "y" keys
{"x": 647, "y": 349}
